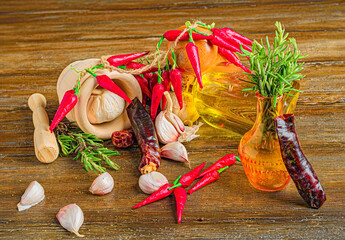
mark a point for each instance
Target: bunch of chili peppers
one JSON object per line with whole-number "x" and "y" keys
{"x": 208, "y": 176}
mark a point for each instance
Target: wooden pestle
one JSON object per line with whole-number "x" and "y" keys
{"x": 46, "y": 148}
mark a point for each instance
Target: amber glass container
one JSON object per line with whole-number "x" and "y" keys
{"x": 259, "y": 148}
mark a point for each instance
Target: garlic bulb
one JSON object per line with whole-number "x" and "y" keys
{"x": 71, "y": 217}
{"x": 33, "y": 194}
{"x": 170, "y": 128}
{"x": 188, "y": 114}
{"x": 175, "y": 151}
{"x": 102, "y": 185}
{"x": 104, "y": 106}
{"x": 151, "y": 182}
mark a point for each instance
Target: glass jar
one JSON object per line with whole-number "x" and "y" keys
{"x": 260, "y": 151}
{"x": 222, "y": 104}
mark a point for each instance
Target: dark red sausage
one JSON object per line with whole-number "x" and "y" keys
{"x": 300, "y": 170}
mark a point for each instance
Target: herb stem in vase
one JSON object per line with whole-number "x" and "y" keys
{"x": 273, "y": 72}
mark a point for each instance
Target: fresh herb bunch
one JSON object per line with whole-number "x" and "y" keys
{"x": 86, "y": 146}
{"x": 274, "y": 68}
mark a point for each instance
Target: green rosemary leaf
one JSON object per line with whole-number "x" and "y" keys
{"x": 86, "y": 147}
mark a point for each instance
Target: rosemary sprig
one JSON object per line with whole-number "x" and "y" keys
{"x": 86, "y": 146}
{"x": 274, "y": 68}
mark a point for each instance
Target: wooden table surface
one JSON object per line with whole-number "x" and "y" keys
{"x": 39, "y": 38}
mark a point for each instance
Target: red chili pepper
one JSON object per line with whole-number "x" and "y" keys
{"x": 167, "y": 86}
{"x": 298, "y": 166}
{"x": 230, "y": 39}
{"x": 181, "y": 198}
{"x": 231, "y": 57}
{"x": 207, "y": 179}
{"x": 118, "y": 60}
{"x": 123, "y": 139}
{"x": 69, "y": 100}
{"x": 188, "y": 178}
{"x": 105, "y": 82}
{"x": 136, "y": 65}
{"x": 240, "y": 37}
{"x": 227, "y": 160}
{"x": 193, "y": 55}
{"x": 143, "y": 85}
{"x": 175, "y": 77}
{"x": 221, "y": 42}
{"x": 152, "y": 80}
{"x": 157, "y": 94}
{"x": 161, "y": 193}
{"x": 172, "y": 35}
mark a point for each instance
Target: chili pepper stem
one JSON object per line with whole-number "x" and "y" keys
{"x": 222, "y": 169}
{"x": 175, "y": 186}
{"x": 92, "y": 73}
{"x": 178, "y": 179}
{"x": 238, "y": 159}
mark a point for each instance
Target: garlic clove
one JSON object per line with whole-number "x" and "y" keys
{"x": 151, "y": 182}
{"x": 178, "y": 122}
{"x": 166, "y": 131}
{"x": 102, "y": 185}
{"x": 33, "y": 194}
{"x": 175, "y": 151}
{"x": 71, "y": 217}
{"x": 190, "y": 133}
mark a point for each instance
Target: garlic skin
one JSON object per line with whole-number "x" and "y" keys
{"x": 104, "y": 106}
{"x": 102, "y": 185}
{"x": 151, "y": 182}
{"x": 175, "y": 151}
{"x": 170, "y": 128}
{"x": 33, "y": 194}
{"x": 71, "y": 217}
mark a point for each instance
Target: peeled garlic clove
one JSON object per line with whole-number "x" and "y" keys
{"x": 33, "y": 194}
{"x": 151, "y": 182}
{"x": 71, "y": 217}
{"x": 166, "y": 131}
{"x": 175, "y": 151}
{"x": 102, "y": 185}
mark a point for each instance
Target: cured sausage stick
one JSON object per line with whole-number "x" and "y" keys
{"x": 46, "y": 148}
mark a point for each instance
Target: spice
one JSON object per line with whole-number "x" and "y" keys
{"x": 227, "y": 160}
{"x": 175, "y": 151}
{"x": 151, "y": 182}
{"x": 69, "y": 100}
{"x": 157, "y": 94}
{"x": 71, "y": 217}
{"x": 230, "y": 39}
{"x": 189, "y": 177}
{"x": 175, "y": 78}
{"x": 231, "y": 57}
{"x": 221, "y": 42}
{"x": 33, "y": 195}
{"x": 207, "y": 179}
{"x": 181, "y": 198}
{"x": 172, "y": 35}
{"x": 123, "y": 139}
{"x": 136, "y": 65}
{"x": 145, "y": 134}
{"x": 86, "y": 146}
{"x": 102, "y": 185}
{"x": 143, "y": 82}
{"x": 232, "y": 33}
{"x": 107, "y": 83}
{"x": 118, "y": 60}
{"x": 161, "y": 193}
{"x": 299, "y": 168}
{"x": 193, "y": 55}
{"x": 167, "y": 85}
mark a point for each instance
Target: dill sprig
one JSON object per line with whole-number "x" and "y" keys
{"x": 274, "y": 68}
{"x": 86, "y": 146}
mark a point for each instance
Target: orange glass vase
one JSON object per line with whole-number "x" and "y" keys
{"x": 259, "y": 148}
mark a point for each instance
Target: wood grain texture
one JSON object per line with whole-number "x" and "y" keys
{"x": 39, "y": 38}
